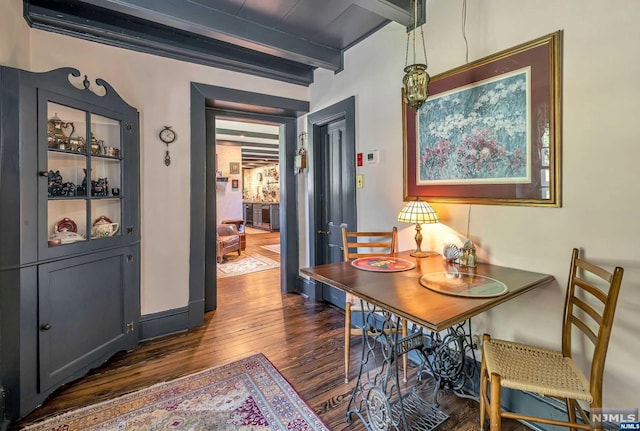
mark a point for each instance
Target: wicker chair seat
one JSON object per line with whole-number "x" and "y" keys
{"x": 534, "y": 369}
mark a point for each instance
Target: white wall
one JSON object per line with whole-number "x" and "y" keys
{"x": 14, "y": 43}
{"x": 229, "y": 200}
{"x": 599, "y": 158}
{"x": 160, "y": 89}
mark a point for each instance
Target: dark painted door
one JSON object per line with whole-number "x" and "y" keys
{"x": 333, "y": 199}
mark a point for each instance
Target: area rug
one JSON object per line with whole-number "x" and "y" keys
{"x": 245, "y": 264}
{"x": 275, "y": 248}
{"x": 249, "y": 394}
{"x": 252, "y": 231}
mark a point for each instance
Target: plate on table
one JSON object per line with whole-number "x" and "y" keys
{"x": 66, "y": 225}
{"x": 463, "y": 284}
{"x": 383, "y": 264}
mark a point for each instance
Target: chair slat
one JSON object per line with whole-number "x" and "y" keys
{"x": 600, "y": 272}
{"x": 584, "y": 328}
{"x": 588, "y": 309}
{"x": 591, "y": 289}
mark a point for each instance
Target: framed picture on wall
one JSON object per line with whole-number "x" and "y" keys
{"x": 489, "y": 132}
{"x": 234, "y": 167}
{"x": 234, "y": 184}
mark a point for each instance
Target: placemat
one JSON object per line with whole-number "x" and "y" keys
{"x": 383, "y": 264}
{"x": 463, "y": 284}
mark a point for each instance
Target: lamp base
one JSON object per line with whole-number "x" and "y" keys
{"x": 419, "y": 253}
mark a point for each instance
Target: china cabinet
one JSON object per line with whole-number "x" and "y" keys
{"x": 69, "y": 261}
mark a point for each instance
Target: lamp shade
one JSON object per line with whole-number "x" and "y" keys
{"x": 418, "y": 212}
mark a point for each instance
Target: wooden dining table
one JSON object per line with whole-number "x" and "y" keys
{"x": 379, "y": 400}
{"x": 402, "y": 294}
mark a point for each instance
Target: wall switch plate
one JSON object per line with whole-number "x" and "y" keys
{"x": 360, "y": 181}
{"x": 372, "y": 157}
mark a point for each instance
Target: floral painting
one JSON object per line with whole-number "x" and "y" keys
{"x": 477, "y": 133}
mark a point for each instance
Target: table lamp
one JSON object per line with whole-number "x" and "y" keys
{"x": 419, "y": 212}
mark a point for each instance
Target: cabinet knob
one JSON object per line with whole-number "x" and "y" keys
{"x": 43, "y": 173}
{"x": 129, "y": 230}
{"x": 45, "y": 326}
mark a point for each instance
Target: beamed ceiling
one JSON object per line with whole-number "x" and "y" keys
{"x": 279, "y": 39}
{"x": 284, "y": 40}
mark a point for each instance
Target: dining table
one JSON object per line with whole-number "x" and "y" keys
{"x": 438, "y": 298}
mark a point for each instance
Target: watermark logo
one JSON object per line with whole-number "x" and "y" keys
{"x": 623, "y": 419}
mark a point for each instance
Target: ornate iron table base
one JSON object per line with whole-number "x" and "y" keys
{"x": 378, "y": 399}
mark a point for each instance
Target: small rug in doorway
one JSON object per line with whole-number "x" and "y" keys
{"x": 245, "y": 264}
{"x": 275, "y": 248}
{"x": 252, "y": 231}
{"x": 249, "y": 394}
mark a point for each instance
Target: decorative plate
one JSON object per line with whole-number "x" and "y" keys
{"x": 463, "y": 284}
{"x": 102, "y": 219}
{"x": 66, "y": 224}
{"x": 383, "y": 264}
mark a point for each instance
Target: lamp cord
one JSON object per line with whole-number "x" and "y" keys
{"x": 464, "y": 30}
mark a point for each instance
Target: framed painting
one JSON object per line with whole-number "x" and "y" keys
{"x": 490, "y": 131}
{"x": 234, "y": 184}
{"x": 234, "y": 167}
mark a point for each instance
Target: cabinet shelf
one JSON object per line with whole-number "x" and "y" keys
{"x": 222, "y": 179}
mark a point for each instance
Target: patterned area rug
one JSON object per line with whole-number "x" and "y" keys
{"x": 275, "y": 248}
{"x": 249, "y": 394}
{"x": 245, "y": 264}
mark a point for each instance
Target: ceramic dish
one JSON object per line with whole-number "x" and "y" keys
{"x": 66, "y": 225}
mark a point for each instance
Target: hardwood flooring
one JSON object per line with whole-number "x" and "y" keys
{"x": 302, "y": 338}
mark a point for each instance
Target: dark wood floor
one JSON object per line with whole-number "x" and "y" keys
{"x": 302, "y": 338}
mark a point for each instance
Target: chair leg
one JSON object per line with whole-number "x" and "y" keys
{"x": 405, "y": 358}
{"x": 238, "y": 252}
{"x": 494, "y": 414}
{"x": 571, "y": 411}
{"x": 484, "y": 377}
{"x": 347, "y": 340}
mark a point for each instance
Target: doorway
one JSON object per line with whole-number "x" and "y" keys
{"x": 254, "y": 107}
{"x": 332, "y": 179}
{"x": 248, "y": 194}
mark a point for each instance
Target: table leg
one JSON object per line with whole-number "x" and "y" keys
{"x": 378, "y": 399}
{"x": 444, "y": 356}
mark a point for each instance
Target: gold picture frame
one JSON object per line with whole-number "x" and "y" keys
{"x": 490, "y": 131}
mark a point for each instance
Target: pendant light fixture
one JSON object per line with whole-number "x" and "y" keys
{"x": 416, "y": 79}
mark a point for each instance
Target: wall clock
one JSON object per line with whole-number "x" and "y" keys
{"x": 167, "y": 135}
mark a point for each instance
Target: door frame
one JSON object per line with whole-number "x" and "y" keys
{"x": 202, "y": 259}
{"x": 345, "y": 109}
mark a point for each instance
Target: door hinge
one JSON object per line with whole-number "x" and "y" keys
{"x": 129, "y": 327}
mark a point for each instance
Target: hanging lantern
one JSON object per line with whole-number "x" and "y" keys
{"x": 416, "y": 79}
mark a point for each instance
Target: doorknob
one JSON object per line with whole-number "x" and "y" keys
{"x": 323, "y": 232}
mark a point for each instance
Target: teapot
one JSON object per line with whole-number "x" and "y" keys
{"x": 56, "y": 128}
{"x": 97, "y": 145}
{"x": 103, "y": 228}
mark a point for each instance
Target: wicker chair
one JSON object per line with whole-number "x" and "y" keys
{"x": 553, "y": 373}
{"x": 377, "y": 244}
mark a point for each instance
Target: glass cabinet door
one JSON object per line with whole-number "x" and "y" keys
{"x": 84, "y": 176}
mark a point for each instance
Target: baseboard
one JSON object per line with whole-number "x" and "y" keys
{"x": 309, "y": 288}
{"x": 164, "y": 323}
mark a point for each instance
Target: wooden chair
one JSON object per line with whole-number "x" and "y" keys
{"x": 589, "y": 309}
{"x": 354, "y": 245}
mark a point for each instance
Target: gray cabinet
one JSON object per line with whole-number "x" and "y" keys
{"x": 274, "y": 216}
{"x": 248, "y": 213}
{"x": 69, "y": 263}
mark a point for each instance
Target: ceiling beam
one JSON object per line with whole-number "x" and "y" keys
{"x": 399, "y": 11}
{"x": 197, "y": 19}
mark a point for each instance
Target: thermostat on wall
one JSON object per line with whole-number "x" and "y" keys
{"x": 372, "y": 157}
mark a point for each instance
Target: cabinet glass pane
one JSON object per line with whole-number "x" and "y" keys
{"x": 66, "y": 221}
{"x": 105, "y": 218}
{"x": 66, "y": 128}
{"x": 105, "y": 136}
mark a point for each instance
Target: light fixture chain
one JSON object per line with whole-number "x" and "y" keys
{"x": 406, "y": 55}
{"x": 464, "y": 30}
